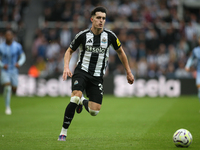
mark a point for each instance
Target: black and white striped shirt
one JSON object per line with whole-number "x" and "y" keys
{"x": 94, "y": 50}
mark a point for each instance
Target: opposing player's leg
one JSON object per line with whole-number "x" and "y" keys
{"x": 6, "y": 82}
{"x": 14, "y": 89}
{"x": 198, "y": 90}
{"x": 7, "y": 97}
{"x": 198, "y": 84}
{"x": 14, "y": 82}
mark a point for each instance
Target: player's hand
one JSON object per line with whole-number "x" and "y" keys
{"x": 130, "y": 78}
{"x": 187, "y": 69}
{"x": 66, "y": 73}
{"x": 17, "y": 65}
{"x": 5, "y": 67}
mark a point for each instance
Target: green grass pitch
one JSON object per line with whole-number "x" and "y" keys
{"x": 122, "y": 124}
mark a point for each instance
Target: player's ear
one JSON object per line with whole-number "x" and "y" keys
{"x": 91, "y": 19}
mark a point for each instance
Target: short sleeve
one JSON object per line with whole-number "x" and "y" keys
{"x": 193, "y": 53}
{"x": 115, "y": 41}
{"x": 76, "y": 42}
{"x": 196, "y": 53}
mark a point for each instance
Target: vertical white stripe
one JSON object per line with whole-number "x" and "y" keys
{"x": 87, "y": 55}
{"x": 103, "y": 44}
{"x": 86, "y": 61}
{"x": 99, "y": 65}
{"x": 106, "y": 60}
{"x": 80, "y": 51}
{"x": 89, "y": 39}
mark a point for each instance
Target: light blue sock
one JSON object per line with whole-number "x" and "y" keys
{"x": 7, "y": 95}
{"x": 199, "y": 94}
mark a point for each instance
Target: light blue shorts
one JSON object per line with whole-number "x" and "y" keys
{"x": 11, "y": 78}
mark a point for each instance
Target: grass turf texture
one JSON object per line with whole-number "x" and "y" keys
{"x": 122, "y": 124}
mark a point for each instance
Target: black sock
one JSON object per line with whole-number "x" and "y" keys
{"x": 69, "y": 114}
{"x": 85, "y": 103}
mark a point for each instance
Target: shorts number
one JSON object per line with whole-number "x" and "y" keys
{"x": 101, "y": 88}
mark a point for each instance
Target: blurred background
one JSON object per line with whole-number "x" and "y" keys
{"x": 157, "y": 35}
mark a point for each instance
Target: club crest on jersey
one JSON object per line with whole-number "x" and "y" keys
{"x": 103, "y": 40}
{"x": 75, "y": 82}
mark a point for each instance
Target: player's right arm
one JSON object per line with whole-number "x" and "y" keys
{"x": 67, "y": 57}
{"x": 68, "y": 54}
{"x": 2, "y": 65}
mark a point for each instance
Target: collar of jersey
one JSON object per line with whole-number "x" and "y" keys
{"x": 95, "y": 34}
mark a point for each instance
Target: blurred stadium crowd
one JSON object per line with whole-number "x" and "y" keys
{"x": 11, "y": 16}
{"x": 155, "y": 38}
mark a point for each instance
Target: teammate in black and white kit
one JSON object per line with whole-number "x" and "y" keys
{"x": 93, "y": 59}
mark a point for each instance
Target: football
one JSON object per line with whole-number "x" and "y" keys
{"x": 182, "y": 138}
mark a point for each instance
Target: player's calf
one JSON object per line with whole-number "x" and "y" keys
{"x": 199, "y": 93}
{"x": 14, "y": 90}
{"x": 7, "y": 96}
{"x": 92, "y": 107}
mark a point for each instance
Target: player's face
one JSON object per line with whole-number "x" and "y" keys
{"x": 99, "y": 20}
{"x": 9, "y": 36}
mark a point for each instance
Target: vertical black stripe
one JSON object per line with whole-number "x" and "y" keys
{"x": 93, "y": 63}
{"x": 103, "y": 66}
{"x": 81, "y": 58}
{"x": 94, "y": 56}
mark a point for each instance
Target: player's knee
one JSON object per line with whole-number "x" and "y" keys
{"x": 93, "y": 112}
{"x": 75, "y": 99}
{"x": 8, "y": 88}
{"x": 76, "y": 93}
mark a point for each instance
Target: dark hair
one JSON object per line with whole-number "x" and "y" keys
{"x": 98, "y": 9}
{"x": 8, "y": 30}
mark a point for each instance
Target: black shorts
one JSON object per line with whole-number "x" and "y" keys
{"x": 93, "y": 86}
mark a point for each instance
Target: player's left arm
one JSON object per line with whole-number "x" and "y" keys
{"x": 122, "y": 56}
{"x": 189, "y": 61}
{"x": 22, "y": 58}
